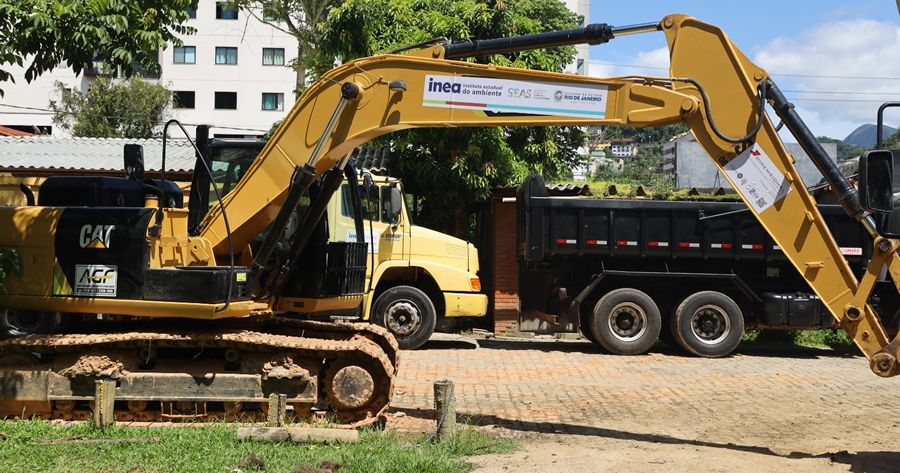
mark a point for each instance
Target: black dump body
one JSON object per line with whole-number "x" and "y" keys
{"x": 668, "y": 249}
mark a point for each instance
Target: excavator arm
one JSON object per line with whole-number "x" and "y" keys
{"x": 713, "y": 88}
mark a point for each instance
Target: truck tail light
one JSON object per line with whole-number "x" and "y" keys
{"x": 475, "y": 283}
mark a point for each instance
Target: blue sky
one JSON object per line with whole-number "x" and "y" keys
{"x": 817, "y": 40}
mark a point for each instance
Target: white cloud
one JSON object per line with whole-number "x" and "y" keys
{"x": 850, "y": 48}
{"x": 653, "y": 59}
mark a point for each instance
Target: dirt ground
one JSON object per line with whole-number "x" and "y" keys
{"x": 574, "y": 408}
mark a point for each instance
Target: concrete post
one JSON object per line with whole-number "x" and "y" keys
{"x": 444, "y": 409}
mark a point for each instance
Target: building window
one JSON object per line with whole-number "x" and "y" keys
{"x": 192, "y": 12}
{"x": 183, "y": 99}
{"x": 226, "y": 55}
{"x": 224, "y": 11}
{"x": 273, "y": 56}
{"x": 272, "y": 101}
{"x": 226, "y": 100}
{"x": 185, "y": 54}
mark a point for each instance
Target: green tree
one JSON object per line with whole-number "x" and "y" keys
{"x": 893, "y": 141}
{"x": 47, "y": 33}
{"x": 300, "y": 19}
{"x": 452, "y": 168}
{"x": 844, "y": 150}
{"x": 10, "y": 263}
{"x": 132, "y": 108}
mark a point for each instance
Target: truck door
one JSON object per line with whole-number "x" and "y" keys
{"x": 395, "y": 237}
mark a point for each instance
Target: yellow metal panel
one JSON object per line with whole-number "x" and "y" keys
{"x": 319, "y": 305}
{"x": 137, "y": 308}
{"x": 32, "y": 235}
{"x": 465, "y": 304}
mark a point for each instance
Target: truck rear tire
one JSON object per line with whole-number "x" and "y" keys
{"x": 407, "y": 313}
{"x": 708, "y": 324}
{"x": 626, "y": 322}
{"x": 17, "y": 323}
{"x": 587, "y": 330}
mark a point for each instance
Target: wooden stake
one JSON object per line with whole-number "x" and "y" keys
{"x": 444, "y": 410}
{"x": 104, "y": 403}
{"x": 277, "y": 410}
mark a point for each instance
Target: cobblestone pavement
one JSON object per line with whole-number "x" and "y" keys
{"x": 799, "y": 402}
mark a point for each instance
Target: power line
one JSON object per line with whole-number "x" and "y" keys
{"x": 44, "y": 111}
{"x": 839, "y": 92}
{"x": 815, "y": 76}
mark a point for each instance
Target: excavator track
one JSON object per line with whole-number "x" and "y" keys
{"x": 343, "y": 372}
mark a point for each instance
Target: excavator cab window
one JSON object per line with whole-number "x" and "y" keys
{"x": 229, "y": 161}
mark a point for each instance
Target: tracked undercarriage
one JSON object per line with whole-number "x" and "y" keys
{"x": 341, "y": 371}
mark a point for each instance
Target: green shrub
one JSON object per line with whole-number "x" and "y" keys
{"x": 10, "y": 263}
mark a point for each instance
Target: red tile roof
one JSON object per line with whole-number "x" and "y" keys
{"x": 6, "y": 131}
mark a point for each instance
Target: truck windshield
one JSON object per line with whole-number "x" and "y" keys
{"x": 376, "y": 208}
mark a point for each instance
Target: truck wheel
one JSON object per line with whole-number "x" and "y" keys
{"x": 709, "y": 324}
{"x": 626, "y": 322}
{"x": 586, "y": 329}
{"x": 17, "y": 323}
{"x": 407, "y": 313}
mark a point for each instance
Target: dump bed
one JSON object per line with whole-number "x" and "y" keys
{"x": 617, "y": 228}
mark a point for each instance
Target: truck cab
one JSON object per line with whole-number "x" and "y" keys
{"x": 416, "y": 278}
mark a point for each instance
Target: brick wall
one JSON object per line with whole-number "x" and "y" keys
{"x": 505, "y": 274}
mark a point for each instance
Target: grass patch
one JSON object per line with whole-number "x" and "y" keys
{"x": 825, "y": 338}
{"x": 214, "y": 448}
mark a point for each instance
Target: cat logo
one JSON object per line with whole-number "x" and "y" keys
{"x": 95, "y": 236}
{"x": 95, "y": 280}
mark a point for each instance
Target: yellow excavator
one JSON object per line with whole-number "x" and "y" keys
{"x": 193, "y": 315}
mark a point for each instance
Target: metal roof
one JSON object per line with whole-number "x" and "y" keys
{"x": 555, "y": 190}
{"x": 90, "y": 154}
{"x": 373, "y": 160}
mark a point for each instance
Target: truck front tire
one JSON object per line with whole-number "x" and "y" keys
{"x": 708, "y": 324}
{"x": 626, "y": 322}
{"x": 407, "y": 313}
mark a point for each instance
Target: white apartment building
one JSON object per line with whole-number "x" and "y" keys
{"x": 233, "y": 74}
{"x": 583, "y": 8}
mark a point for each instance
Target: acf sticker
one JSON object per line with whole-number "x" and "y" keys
{"x": 95, "y": 280}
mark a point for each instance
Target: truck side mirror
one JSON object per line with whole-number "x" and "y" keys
{"x": 396, "y": 204}
{"x": 368, "y": 182}
{"x": 876, "y": 171}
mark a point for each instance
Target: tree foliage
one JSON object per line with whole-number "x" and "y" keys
{"x": 451, "y": 168}
{"x": 132, "y": 108}
{"x": 47, "y": 33}
{"x": 10, "y": 263}
{"x": 300, "y": 19}
{"x": 893, "y": 141}
{"x": 844, "y": 150}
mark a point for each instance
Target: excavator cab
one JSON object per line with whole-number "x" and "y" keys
{"x": 331, "y": 268}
